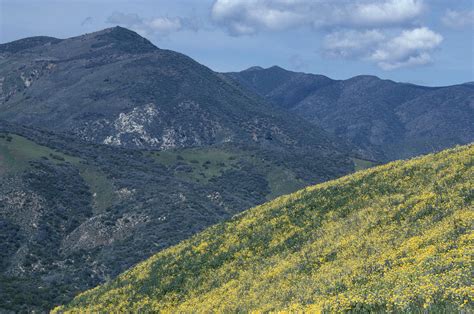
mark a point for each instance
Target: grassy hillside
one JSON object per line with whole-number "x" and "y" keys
{"x": 207, "y": 165}
{"x": 395, "y": 237}
{"x": 17, "y": 154}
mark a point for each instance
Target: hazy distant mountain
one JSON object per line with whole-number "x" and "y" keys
{"x": 387, "y": 120}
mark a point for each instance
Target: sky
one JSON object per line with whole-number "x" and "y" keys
{"x": 425, "y": 42}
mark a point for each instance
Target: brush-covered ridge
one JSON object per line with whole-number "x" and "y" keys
{"x": 396, "y": 237}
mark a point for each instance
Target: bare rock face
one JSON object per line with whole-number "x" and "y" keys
{"x": 150, "y": 127}
{"x": 96, "y": 232}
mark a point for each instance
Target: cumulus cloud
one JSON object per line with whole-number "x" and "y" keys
{"x": 165, "y": 24}
{"x": 241, "y": 17}
{"x": 379, "y": 31}
{"x": 160, "y": 25}
{"x": 409, "y": 48}
{"x": 245, "y": 17}
{"x": 391, "y": 12}
{"x": 458, "y": 19}
{"x": 351, "y": 43}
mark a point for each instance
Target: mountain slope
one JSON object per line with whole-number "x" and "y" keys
{"x": 392, "y": 238}
{"x": 74, "y": 214}
{"x": 69, "y": 212}
{"x": 115, "y": 87}
{"x": 385, "y": 119}
{"x": 143, "y": 148}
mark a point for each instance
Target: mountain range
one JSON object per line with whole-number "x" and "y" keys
{"x": 115, "y": 149}
{"x": 115, "y": 87}
{"x": 112, "y": 149}
{"x": 384, "y": 119}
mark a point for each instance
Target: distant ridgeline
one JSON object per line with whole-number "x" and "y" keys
{"x": 397, "y": 237}
{"x": 386, "y": 120}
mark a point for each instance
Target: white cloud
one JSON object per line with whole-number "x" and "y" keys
{"x": 351, "y": 43}
{"x": 165, "y": 24}
{"x": 365, "y": 29}
{"x": 160, "y": 25}
{"x": 458, "y": 19}
{"x": 391, "y": 12}
{"x": 409, "y": 48}
{"x": 244, "y": 17}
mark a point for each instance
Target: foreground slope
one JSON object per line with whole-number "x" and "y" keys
{"x": 394, "y": 237}
{"x": 387, "y": 120}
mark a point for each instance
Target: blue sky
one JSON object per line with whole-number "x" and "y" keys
{"x": 427, "y": 42}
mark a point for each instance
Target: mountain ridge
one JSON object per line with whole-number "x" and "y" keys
{"x": 385, "y": 119}
{"x": 279, "y": 68}
{"x": 117, "y": 88}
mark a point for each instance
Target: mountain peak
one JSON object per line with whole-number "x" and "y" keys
{"x": 277, "y": 68}
{"x": 259, "y": 68}
{"x": 125, "y": 40}
{"x": 364, "y": 78}
{"x": 254, "y": 68}
{"x": 120, "y": 30}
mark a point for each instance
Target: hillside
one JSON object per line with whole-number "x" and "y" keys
{"x": 115, "y": 87}
{"x": 115, "y": 149}
{"x": 74, "y": 214}
{"x": 386, "y": 120}
{"x": 396, "y": 237}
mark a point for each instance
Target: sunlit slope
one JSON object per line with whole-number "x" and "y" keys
{"x": 394, "y": 237}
